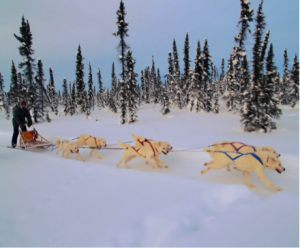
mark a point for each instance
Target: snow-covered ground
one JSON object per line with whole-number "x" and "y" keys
{"x": 47, "y": 200}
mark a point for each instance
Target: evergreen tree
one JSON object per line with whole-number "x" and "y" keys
{"x": 123, "y": 96}
{"x": 80, "y": 85}
{"x": 14, "y": 92}
{"x": 159, "y": 86}
{"x": 147, "y": 85}
{"x": 177, "y": 79}
{"x": 101, "y": 91}
{"x": 198, "y": 84}
{"x": 22, "y": 85}
{"x": 52, "y": 93}
{"x": 132, "y": 96}
{"x": 245, "y": 81}
{"x": 90, "y": 93}
{"x": 72, "y": 103}
{"x": 41, "y": 101}
{"x": 122, "y": 33}
{"x": 267, "y": 99}
{"x": 295, "y": 82}
{"x": 222, "y": 75}
{"x": 65, "y": 97}
{"x": 113, "y": 91}
{"x": 87, "y": 102}
{"x": 153, "y": 84}
{"x": 285, "y": 81}
{"x": 170, "y": 79}
{"x": 206, "y": 77}
{"x": 6, "y": 106}
{"x": 2, "y": 93}
{"x": 165, "y": 101}
{"x": 186, "y": 70}
{"x": 27, "y": 64}
{"x": 142, "y": 86}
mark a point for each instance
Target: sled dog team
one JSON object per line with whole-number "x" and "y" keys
{"x": 243, "y": 157}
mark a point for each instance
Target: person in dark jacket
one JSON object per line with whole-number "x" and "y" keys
{"x": 19, "y": 115}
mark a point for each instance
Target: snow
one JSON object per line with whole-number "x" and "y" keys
{"x": 47, "y": 200}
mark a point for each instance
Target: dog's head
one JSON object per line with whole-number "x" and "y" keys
{"x": 271, "y": 150}
{"x": 163, "y": 147}
{"x": 75, "y": 147}
{"x": 101, "y": 141}
{"x": 274, "y": 164}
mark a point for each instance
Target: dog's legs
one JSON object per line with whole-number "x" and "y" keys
{"x": 67, "y": 154}
{"x": 247, "y": 175}
{"x": 80, "y": 158}
{"x": 149, "y": 159}
{"x": 127, "y": 160}
{"x": 266, "y": 181}
{"x": 95, "y": 151}
{"x": 209, "y": 163}
{"x": 63, "y": 153}
{"x": 228, "y": 167}
{"x": 58, "y": 150}
{"x": 160, "y": 162}
{"x": 215, "y": 166}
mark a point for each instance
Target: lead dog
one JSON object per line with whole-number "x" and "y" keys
{"x": 149, "y": 151}
{"x": 68, "y": 147}
{"x": 255, "y": 162}
{"x": 91, "y": 141}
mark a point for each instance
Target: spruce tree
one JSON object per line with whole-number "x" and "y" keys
{"x": 65, "y": 97}
{"x": 165, "y": 101}
{"x": 14, "y": 92}
{"x": 295, "y": 82}
{"x": 101, "y": 91}
{"x": 153, "y": 84}
{"x": 90, "y": 93}
{"x": 142, "y": 86}
{"x": 87, "y": 101}
{"x": 206, "y": 77}
{"x": 159, "y": 86}
{"x": 186, "y": 70}
{"x": 22, "y": 85}
{"x": 170, "y": 79}
{"x": 267, "y": 99}
{"x": 285, "y": 81}
{"x": 27, "y": 64}
{"x": 72, "y": 102}
{"x": 122, "y": 33}
{"x": 42, "y": 98}
{"x": 198, "y": 78}
{"x": 177, "y": 78}
{"x": 147, "y": 85}
{"x": 113, "y": 91}
{"x": 80, "y": 85}
{"x": 132, "y": 95}
{"x": 52, "y": 93}
{"x": 244, "y": 82}
{"x": 222, "y": 75}
{"x": 2, "y": 93}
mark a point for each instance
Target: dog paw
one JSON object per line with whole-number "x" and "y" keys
{"x": 278, "y": 189}
{"x": 99, "y": 157}
{"x": 205, "y": 164}
{"x": 202, "y": 172}
{"x": 166, "y": 166}
{"x": 250, "y": 185}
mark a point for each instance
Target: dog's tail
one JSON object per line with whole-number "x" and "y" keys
{"x": 57, "y": 142}
{"x": 134, "y": 137}
{"x": 210, "y": 151}
{"x": 122, "y": 144}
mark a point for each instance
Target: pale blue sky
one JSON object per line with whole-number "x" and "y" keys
{"x": 58, "y": 27}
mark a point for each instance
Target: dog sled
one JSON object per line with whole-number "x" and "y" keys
{"x": 32, "y": 140}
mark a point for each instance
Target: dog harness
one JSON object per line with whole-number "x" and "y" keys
{"x": 95, "y": 141}
{"x": 237, "y": 149}
{"x": 142, "y": 143}
{"x": 242, "y": 154}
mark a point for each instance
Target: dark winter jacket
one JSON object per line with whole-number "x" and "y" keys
{"x": 20, "y": 114}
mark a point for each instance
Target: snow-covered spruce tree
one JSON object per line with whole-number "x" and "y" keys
{"x": 65, "y": 96}
{"x": 123, "y": 101}
{"x": 101, "y": 92}
{"x": 222, "y": 76}
{"x": 153, "y": 84}
{"x": 229, "y": 96}
{"x": 22, "y": 85}
{"x": 159, "y": 86}
{"x": 122, "y": 33}
{"x": 295, "y": 82}
{"x": 285, "y": 81}
{"x": 79, "y": 80}
{"x": 48, "y": 117}
{"x": 142, "y": 86}
{"x": 87, "y": 105}
{"x": 113, "y": 91}
{"x": 254, "y": 119}
{"x": 90, "y": 92}
{"x": 14, "y": 91}
{"x": 199, "y": 85}
{"x": 165, "y": 101}
{"x": 106, "y": 98}
{"x": 94, "y": 97}
{"x": 244, "y": 82}
{"x": 27, "y": 64}
{"x": 246, "y": 16}
{"x": 192, "y": 90}
{"x": 206, "y": 76}
{"x": 59, "y": 99}
{"x": 170, "y": 79}
{"x": 2, "y": 93}
{"x": 186, "y": 71}
{"x": 267, "y": 99}
{"x": 6, "y": 106}
{"x": 147, "y": 85}
{"x": 178, "y": 99}
{"x": 52, "y": 92}
{"x": 132, "y": 96}
{"x": 39, "y": 78}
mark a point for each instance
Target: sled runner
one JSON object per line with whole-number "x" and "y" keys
{"x": 32, "y": 139}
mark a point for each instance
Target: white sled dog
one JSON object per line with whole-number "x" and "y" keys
{"x": 145, "y": 149}
{"x": 234, "y": 146}
{"x": 255, "y": 162}
{"x": 68, "y": 147}
{"x": 91, "y": 141}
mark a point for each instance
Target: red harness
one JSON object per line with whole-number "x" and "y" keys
{"x": 95, "y": 141}
{"x": 142, "y": 143}
{"x": 237, "y": 149}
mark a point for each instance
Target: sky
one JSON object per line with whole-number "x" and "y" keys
{"x": 58, "y": 27}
